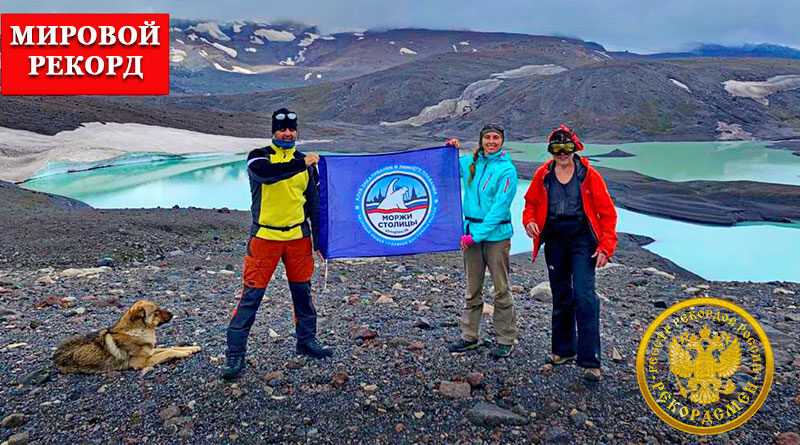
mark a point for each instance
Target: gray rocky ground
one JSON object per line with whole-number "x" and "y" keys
{"x": 391, "y": 380}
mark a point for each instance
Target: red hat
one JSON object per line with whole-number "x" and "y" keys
{"x": 570, "y": 134}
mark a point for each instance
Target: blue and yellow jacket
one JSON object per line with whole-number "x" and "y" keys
{"x": 285, "y": 194}
{"x": 487, "y": 198}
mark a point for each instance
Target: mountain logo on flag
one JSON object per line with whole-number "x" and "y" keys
{"x": 396, "y": 204}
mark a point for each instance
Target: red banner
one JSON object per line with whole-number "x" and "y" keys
{"x": 71, "y": 54}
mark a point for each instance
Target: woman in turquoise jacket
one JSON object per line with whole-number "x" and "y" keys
{"x": 489, "y": 183}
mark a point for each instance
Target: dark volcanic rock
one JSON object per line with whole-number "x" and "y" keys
{"x": 455, "y": 390}
{"x": 37, "y": 377}
{"x": 615, "y": 153}
{"x": 13, "y": 420}
{"x": 557, "y": 435}
{"x": 105, "y": 262}
{"x": 19, "y": 439}
{"x": 490, "y": 415}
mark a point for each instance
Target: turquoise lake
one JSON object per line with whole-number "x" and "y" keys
{"x": 746, "y": 252}
{"x": 687, "y": 161}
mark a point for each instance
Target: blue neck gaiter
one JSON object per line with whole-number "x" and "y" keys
{"x": 283, "y": 144}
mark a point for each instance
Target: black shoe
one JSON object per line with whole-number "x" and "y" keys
{"x": 463, "y": 346}
{"x": 502, "y": 351}
{"x": 593, "y": 374}
{"x": 313, "y": 349}
{"x": 233, "y": 367}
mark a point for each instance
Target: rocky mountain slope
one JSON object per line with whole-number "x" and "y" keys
{"x": 265, "y": 56}
{"x": 436, "y": 83}
{"x": 696, "y": 99}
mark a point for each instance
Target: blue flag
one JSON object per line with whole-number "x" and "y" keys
{"x": 390, "y": 204}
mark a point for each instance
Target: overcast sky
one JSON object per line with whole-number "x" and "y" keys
{"x": 637, "y": 25}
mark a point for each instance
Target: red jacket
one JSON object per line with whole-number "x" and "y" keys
{"x": 597, "y": 205}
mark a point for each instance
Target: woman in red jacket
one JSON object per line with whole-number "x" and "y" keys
{"x": 568, "y": 208}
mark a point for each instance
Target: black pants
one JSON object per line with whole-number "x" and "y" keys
{"x": 568, "y": 249}
{"x": 304, "y": 313}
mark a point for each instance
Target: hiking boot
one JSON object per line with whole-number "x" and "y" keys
{"x": 233, "y": 367}
{"x": 556, "y": 360}
{"x": 464, "y": 345}
{"x": 502, "y": 351}
{"x": 592, "y": 374}
{"x": 313, "y": 349}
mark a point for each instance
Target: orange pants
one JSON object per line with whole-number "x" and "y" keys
{"x": 263, "y": 256}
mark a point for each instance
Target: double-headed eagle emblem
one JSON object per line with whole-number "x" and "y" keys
{"x": 716, "y": 358}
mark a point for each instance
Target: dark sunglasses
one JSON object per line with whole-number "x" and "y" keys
{"x": 282, "y": 116}
{"x": 556, "y": 148}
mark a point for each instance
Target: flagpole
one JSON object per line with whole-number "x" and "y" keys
{"x": 325, "y": 277}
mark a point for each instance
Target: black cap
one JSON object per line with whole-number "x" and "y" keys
{"x": 496, "y": 128}
{"x": 559, "y": 137}
{"x": 285, "y": 121}
{"x": 491, "y": 128}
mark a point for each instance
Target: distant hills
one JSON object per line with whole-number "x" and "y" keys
{"x": 765, "y": 50}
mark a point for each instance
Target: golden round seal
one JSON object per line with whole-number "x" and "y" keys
{"x": 705, "y": 366}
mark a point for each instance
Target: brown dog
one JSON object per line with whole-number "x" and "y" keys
{"x": 130, "y": 343}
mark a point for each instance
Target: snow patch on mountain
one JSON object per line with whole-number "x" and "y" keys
{"x": 95, "y": 141}
{"x": 180, "y": 41}
{"x": 210, "y": 28}
{"x": 732, "y": 132}
{"x": 274, "y": 35}
{"x": 250, "y": 49}
{"x": 464, "y": 43}
{"x": 229, "y": 51}
{"x": 758, "y": 91}
{"x": 176, "y": 55}
{"x": 680, "y": 84}
{"x": 530, "y": 70}
{"x": 450, "y": 108}
{"x": 237, "y": 26}
{"x": 407, "y": 51}
{"x": 602, "y": 54}
{"x": 192, "y": 37}
{"x": 308, "y": 39}
{"x": 464, "y": 104}
{"x": 288, "y": 62}
{"x": 234, "y": 69}
{"x": 256, "y": 41}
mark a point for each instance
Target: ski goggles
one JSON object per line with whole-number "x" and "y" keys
{"x": 557, "y": 148}
{"x": 281, "y": 116}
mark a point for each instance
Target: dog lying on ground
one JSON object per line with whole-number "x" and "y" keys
{"x": 129, "y": 344}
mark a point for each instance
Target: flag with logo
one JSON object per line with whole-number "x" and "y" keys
{"x": 388, "y": 204}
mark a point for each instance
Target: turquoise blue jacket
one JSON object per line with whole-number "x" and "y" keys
{"x": 487, "y": 198}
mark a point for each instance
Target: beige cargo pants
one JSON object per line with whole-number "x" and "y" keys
{"x": 495, "y": 256}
